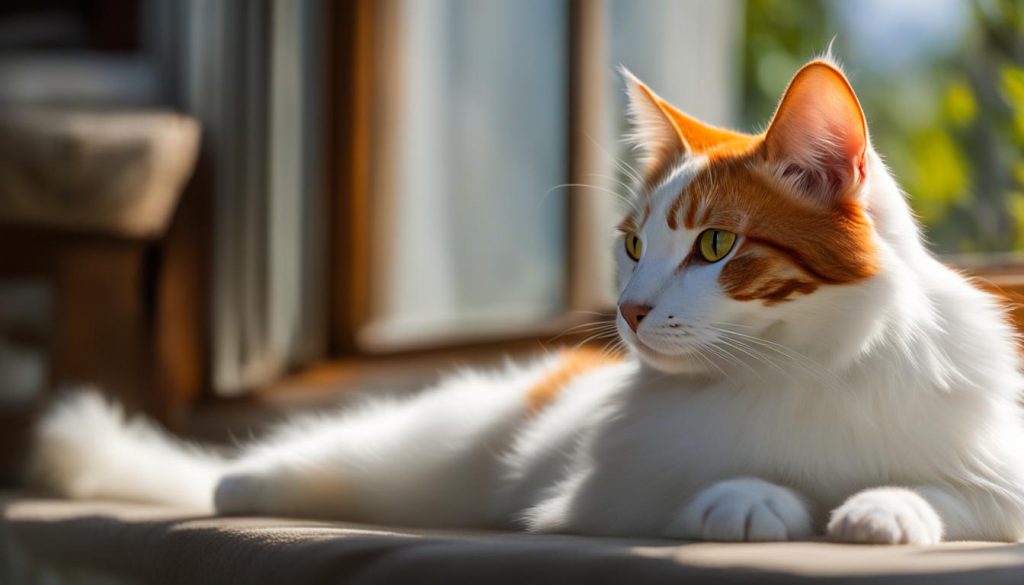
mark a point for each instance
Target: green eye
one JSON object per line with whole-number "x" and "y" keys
{"x": 713, "y": 245}
{"x": 634, "y": 247}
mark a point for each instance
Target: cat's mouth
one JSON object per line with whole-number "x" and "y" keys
{"x": 648, "y": 350}
{"x": 682, "y": 361}
{"x": 679, "y": 359}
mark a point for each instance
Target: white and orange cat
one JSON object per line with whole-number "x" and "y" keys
{"x": 799, "y": 364}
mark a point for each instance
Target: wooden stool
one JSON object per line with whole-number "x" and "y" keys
{"x": 92, "y": 209}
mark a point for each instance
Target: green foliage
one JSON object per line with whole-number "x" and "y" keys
{"x": 1013, "y": 89}
{"x": 959, "y": 105}
{"x": 939, "y": 170}
{"x": 780, "y": 36}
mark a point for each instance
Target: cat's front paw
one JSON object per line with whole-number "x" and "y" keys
{"x": 746, "y": 509}
{"x": 886, "y": 516}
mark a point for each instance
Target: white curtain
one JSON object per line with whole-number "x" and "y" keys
{"x": 249, "y": 69}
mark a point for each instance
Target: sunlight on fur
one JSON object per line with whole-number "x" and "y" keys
{"x": 805, "y": 368}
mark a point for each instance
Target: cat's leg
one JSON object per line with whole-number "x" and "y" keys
{"x": 429, "y": 460}
{"x": 926, "y": 515}
{"x": 743, "y": 509}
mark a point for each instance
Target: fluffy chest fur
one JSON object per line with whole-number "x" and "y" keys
{"x": 654, "y": 441}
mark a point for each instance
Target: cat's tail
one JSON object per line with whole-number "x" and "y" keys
{"x": 88, "y": 448}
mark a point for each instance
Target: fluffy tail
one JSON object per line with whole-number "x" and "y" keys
{"x": 87, "y": 448}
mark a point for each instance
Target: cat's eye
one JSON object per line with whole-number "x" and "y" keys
{"x": 634, "y": 246}
{"x": 713, "y": 245}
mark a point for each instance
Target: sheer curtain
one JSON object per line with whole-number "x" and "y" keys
{"x": 250, "y": 70}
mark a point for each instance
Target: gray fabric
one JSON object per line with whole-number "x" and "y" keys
{"x": 147, "y": 544}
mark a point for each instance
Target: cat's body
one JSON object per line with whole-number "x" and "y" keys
{"x": 818, "y": 372}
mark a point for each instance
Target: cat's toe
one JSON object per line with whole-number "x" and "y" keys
{"x": 886, "y": 516}
{"x": 239, "y": 493}
{"x": 740, "y": 510}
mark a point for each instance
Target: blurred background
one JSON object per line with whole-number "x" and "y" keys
{"x": 207, "y": 204}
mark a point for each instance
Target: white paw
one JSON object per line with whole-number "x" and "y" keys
{"x": 241, "y": 493}
{"x": 744, "y": 510}
{"x": 886, "y": 516}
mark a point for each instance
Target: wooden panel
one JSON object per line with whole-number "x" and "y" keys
{"x": 103, "y": 334}
{"x": 349, "y": 111}
{"x": 587, "y": 231}
{"x": 182, "y": 307}
{"x": 98, "y": 303}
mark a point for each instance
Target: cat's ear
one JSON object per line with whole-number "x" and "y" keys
{"x": 817, "y": 141}
{"x": 665, "y": 134}
{"x": 654, "y": 133}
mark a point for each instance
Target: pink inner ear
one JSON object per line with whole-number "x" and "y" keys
{"x": 818, "y": 136}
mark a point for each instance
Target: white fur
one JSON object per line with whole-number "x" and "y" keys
{"x": 87, "y": 448}
{"x": 745, "y": 509}
{"x": 885, "y": 411}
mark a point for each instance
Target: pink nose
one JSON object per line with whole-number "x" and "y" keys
{"x": 634, "y": 313}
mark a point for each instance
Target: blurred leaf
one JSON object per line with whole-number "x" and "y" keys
{"x": 940, "y": 174}
{"x": 1013, "y": 89}
{"x": 959, "y": 105}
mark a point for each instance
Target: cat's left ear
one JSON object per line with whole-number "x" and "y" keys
{"x": 818, "y": 139}
{"x": 655, "y": 133}
{"x": 667, "y": 135}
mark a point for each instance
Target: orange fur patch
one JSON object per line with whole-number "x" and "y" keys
{"x": 570, "y": 364}
{"x": 790, "y": 246}
{"x": 754, "y": 275}
{"x": 696, "y": 138}
{"x": 705, "y": 139}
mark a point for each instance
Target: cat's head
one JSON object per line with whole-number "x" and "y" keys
{"x": 739, "y": 241}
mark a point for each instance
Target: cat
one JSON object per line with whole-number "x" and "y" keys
{"x": 798, "y": 365}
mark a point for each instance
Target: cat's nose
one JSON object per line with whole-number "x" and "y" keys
{"x": 634, "y": 313}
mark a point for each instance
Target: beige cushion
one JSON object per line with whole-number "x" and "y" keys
{"x": 115, "y": 172}
{"x": 156, "y": 545}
